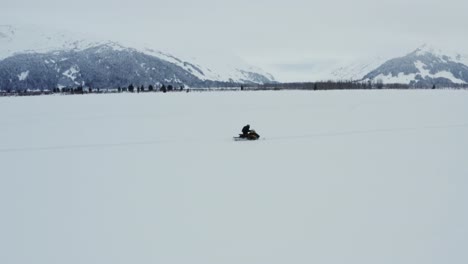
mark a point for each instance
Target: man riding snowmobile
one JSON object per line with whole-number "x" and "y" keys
{"x": 249, "y": 134}
{"x": 245, "y": 130}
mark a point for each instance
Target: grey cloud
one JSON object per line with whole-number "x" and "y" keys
{"x": 274, "y": 29}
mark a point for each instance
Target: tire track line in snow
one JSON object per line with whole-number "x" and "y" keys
{"x": 369, "y": 131}
{"x": 153, "y": 142}
{"x": 88, "y": 146}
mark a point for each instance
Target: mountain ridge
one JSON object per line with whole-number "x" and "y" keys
{"x": 425, "y": 66}
{"x": 42, "y": 56}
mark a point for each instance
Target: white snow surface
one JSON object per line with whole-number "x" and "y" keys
{"x": 359, "y": 177}
{"x": 401, "y": 78}
{"x": 23, "y": 76}
{"x": 72, "y": 72}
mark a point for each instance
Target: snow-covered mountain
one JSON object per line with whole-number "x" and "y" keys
{"x": 425, "y": 66}
{"x": 355, "y": 70}
{"x": 33, "y": 58}
{"x": 33, "y": 39}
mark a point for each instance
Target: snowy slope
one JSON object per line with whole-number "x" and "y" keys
{"x": 424, "y": 66}
{"x": 32, "y": 39}
{"x": 356, "y": 69}
{"x": 356, "y": 177}
{"x": 29, "y": 39}
{"x": 223, "y": 68}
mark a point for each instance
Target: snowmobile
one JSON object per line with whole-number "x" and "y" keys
{"x": 252, "y": 135}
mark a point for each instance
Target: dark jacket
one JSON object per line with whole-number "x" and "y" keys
{"x": 245, "y": 130}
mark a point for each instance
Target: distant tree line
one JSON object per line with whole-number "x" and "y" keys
{"x": 345, "y": 85}
{"x": 325, "y": 85}
{"x": 89, "y": 90}
{"x": 316, "y": 86}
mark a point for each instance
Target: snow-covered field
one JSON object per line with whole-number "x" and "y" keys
{"x": 341, "y": 177}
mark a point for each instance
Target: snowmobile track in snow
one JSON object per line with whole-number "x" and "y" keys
{"x": 153, "y": 142}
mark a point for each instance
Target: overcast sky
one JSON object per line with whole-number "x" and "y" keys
{"x": 286, "y": 38}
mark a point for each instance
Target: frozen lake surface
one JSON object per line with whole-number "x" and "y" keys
{"x": 339, "y": 177}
